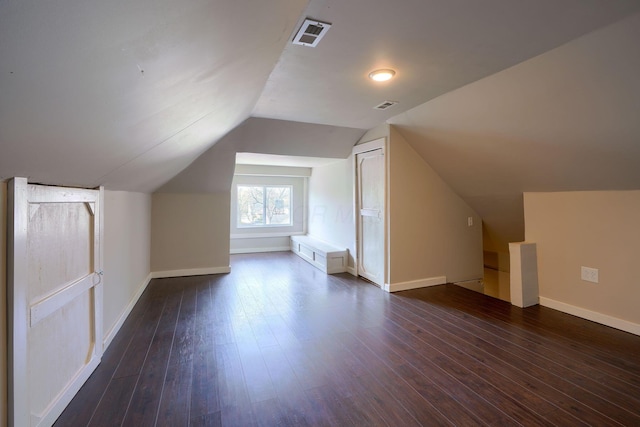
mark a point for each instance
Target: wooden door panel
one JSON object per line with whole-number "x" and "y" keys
{"x": 59, "y": 349}
{"x": 59, "y": 247}
{"x": 370, "y": 192}
{"x": 55, "y": 297}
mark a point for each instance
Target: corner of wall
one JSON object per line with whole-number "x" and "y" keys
{"x": 190, "y": 231}
{"x": 380, "y": 131}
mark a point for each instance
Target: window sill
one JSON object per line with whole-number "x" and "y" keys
{"x": 261, "y": 234}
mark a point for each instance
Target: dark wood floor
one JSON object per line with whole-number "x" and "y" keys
{"x": 278, "y": 343}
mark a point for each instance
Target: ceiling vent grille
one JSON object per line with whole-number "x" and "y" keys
{"x": 311, "y": 32}
{"x": 385, "y": 105}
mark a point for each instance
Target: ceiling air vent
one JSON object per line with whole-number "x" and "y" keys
{"x": 311, "y": 32}
{"x": 385, "y": 105}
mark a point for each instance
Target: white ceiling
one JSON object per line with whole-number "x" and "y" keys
{"x": 434, "y": 45}
{"x": 129, "y": 93}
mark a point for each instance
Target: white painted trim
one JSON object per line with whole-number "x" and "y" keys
{"x": 594, "y": 316}
{"x": 52, "y": 303}
{"x": 305, "y": 204}
{"x": 62, "y": 400}
{"x": 98, "y": 289}
{"x": 369, "y": 146}
{"x": 353, "y": 270}
{"x": 259, "y": 250}
{"x": 50, "y": 194}
{"x": 414, "y": 284}
{"x": 17, "y": 311}
{"x": 190, "y": 272}
{"x": 110, "y": 335}
{"x": 267, "y": 235}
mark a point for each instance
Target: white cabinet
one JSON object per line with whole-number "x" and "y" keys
{"x": 327, "y": 258}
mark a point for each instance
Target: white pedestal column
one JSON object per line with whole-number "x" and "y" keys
{"x": 524, "y": 274}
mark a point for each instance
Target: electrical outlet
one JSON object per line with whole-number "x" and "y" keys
{"x": 589, "y": 274}
{"x": 470, "y": 221}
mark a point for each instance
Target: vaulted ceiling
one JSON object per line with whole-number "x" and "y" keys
{"x": 128, "y": 94}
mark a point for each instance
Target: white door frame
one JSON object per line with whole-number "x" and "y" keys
{"x": 22, "y": 315}
{"x": 380, "y": 143}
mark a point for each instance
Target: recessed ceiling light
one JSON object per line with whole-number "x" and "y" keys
{"x": 382, "y": 75}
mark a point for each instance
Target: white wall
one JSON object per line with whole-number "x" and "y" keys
{"x": 429, "y": 236}
{"x": 597, "y": 229}
{"x": 331, "y": 217}
{"x": 190, "y": 233}
{"x": 127, "y": 237}
{"x": 259, "y": 244}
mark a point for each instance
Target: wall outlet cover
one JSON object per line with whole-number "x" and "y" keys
{"x": 589, "y": 274}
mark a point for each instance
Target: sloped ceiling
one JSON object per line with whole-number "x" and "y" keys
{"x": 563, "y": 121}
{"x": 130, "y": 94}
{"x": 213, "y": 171}
{"x": 127, "y": 93}
{"x": 434, "y": 45}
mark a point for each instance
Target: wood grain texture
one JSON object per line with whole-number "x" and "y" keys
{"x": 278, "y": 343}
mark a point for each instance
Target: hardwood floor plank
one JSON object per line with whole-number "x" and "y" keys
{"x": 288, "y": 388}
{"x": 114, "y": 404}
{"x": 561, "y": 348}
{"x": 405, "y": 396}
{"x": 517, "y": 401}
{"x": 334, "y": 361}
{"x": 136, "y": 352}
{"x": 430, "y": 391}
{"x": 277, "y": 342}
{"x": 231, "y": 384}
{"x": 209, "y": 420}
{"x": 145, "y": 400}
{"x": 270, "y": 413}
{"x": 329, "y": 406}
{"x": 174, "y": 408}
{"x": 204, "y": 381}
{"x": 596, "y": 399}
{"x": 238, "y": 416}
{"x": 548, "y": 393}
{"x": 256, "y": 375}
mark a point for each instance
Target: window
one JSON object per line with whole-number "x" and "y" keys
{"x": 264, "y": 205}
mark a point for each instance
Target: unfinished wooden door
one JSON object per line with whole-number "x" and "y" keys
{"x": 54, "y": 298}
{"x": 370, "y": 172}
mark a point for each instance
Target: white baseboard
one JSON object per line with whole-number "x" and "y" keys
{"x": 190, "y": 272}
{"x": 116, "y": 327}
{"x": 414, "y": 284}
{"x": 353, "y": 271}
{"x": 259, "y": 250}
{"x": 594, "y": 316}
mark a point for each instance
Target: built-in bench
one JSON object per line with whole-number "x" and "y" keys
{"x": 327, "y": 258}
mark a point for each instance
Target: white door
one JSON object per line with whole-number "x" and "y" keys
{"x": 370, "y": 197}
{"x": 54, "y": 297}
